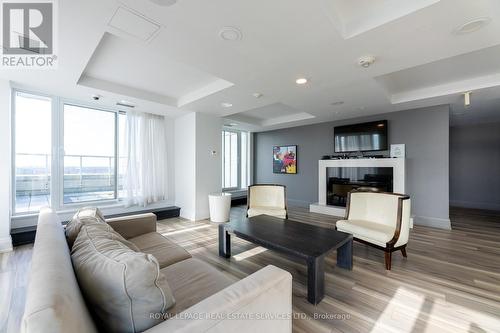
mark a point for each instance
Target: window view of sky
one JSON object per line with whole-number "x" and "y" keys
{"x": 33, "y": 124}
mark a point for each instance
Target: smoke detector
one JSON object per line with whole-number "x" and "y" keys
{"x": 366, "y": 61}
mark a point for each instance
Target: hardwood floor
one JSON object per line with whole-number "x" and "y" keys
{"x": 449, "y": 283}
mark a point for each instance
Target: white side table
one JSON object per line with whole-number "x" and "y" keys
{"x": 220, "y": 205}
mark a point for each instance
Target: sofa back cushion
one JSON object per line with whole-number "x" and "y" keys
{"x": 84, "y": 216}
{"x": 92, "y": 216}
{"x": 124, "y": 288}
{"x": 53, "y": 302}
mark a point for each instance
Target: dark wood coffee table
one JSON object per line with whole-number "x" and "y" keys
{"x": 301, "y": 240}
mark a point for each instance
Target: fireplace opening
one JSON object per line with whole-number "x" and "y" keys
{"x": 340, "y": 181}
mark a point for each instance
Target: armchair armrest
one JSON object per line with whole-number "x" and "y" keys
{"x": 261, "y": 302}
{"x": 133, "y": 225}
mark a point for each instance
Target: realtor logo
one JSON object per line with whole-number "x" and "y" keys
{"x": 28, "y": 34}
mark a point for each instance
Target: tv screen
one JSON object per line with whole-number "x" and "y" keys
{"x": 370, "y": 136}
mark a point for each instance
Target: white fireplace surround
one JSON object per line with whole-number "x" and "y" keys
{"x": 399, "y": 178}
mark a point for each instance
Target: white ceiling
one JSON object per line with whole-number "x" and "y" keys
{"x": 171, "y": 60}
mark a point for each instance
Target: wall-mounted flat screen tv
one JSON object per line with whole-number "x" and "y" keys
{"x": 370, "y": 136}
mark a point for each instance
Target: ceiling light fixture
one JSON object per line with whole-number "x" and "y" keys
{"x": 472, "y": 25}
{"x": 467, "y": 98}
{"x": 230, "y": 34}
{"x": 226, "y": 105}
{"x": 164, "y": 3}
{"x": 366, "y": 61}
{"x": 257, "y": 95}
{"x": 301, "y": 81}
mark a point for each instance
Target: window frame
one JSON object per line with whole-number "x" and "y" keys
{"x": 57, "y": 152}
{"x": 239, "y": 159}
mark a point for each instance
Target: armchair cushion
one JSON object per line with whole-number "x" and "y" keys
{"x": 375, "y": 233}
{"x": 267, "y": 196}
{"x": 273, "y": 211}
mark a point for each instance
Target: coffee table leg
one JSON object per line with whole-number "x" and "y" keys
{"x": 315, "y": 279}
{"x": 344, "y": 255}
{"x": 224, "y": 242}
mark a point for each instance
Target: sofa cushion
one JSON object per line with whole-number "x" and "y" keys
{"x": 163, "y": 249}
{"x": 191, "y": 281}
{"x": 83, "y": 216}
{"x": 92, "y": 215}
{"x": 375, "y": 233}
{"x": 122, "y": 286}
{"x": 277, "y": 212}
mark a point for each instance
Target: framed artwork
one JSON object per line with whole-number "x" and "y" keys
{"x": 285, "y": 159}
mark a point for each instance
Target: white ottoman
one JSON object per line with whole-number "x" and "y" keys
{"x": 220, "y": 205}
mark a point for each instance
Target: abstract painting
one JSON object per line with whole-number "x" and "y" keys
{"x": 285, "y": 159}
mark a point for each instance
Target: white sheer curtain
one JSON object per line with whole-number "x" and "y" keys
{"x": 146, "y": 176}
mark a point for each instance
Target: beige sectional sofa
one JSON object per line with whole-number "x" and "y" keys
{"x": 206, "y": 300}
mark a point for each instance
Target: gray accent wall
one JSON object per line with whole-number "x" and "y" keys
{"x": 475, "y": 166}
{"x": 424, "y": 131}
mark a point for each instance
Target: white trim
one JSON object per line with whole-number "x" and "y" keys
{"x": 6, "y": 244}
{"x": 327, "y": 210}
{"x": 434, "y": 222}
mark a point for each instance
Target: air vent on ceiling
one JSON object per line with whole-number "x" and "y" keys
{"x": 134, "y": 24}
{"x": 125, "y": 104}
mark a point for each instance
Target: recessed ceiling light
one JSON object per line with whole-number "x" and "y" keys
{"x": 301, "y": 81}
{"x": 472, "y": 25}
{"x": 230, "y": 34}
{"x": 338, "y": 103}
{"x": 226, "y": 105}
{"x": 257, "y": 95}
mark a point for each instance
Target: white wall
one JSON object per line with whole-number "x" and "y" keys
{"x": 197, "y": 170}
{"x": 208, "y": 165}
{"x": 5, "y": 161}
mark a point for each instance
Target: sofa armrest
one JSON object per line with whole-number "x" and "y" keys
{"x": 133, "y": 225}
{"x": 261, "y": 302}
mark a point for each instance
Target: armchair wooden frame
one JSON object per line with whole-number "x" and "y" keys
{"x": 255, "y": 185}
{"x": 389, "y": 247}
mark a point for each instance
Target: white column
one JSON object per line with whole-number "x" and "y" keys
{"x": 5, "y": 167}
{"x": 197, "y": 163}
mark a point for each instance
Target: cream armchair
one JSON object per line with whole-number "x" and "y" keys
{"x": 379, "y": 219}
{"x": 268, "y": 199}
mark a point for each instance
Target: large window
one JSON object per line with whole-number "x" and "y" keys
{"x": 89, "y": 154}
{"x": 32, "y": 147}
{"x": 235, "y": 148}
{"x": 65, "y": 154}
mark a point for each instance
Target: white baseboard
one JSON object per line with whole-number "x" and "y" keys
{"x": 298, "y": 203}
{"x": 433, "y": 222}
{"x": 476, "y": 205}
{"x": 327, "y": 210}
{"x": 6, "y": 244}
